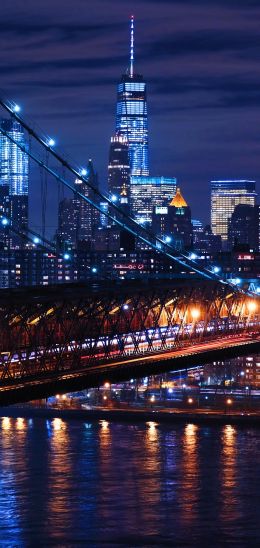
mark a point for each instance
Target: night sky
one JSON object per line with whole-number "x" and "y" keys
{"x": 61, "y": 61}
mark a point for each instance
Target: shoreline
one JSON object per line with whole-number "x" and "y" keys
{"x": 132, "y": 415}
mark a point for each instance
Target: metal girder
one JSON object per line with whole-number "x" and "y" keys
{"x": 66, "y": 328}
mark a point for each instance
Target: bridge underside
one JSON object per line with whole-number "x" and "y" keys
{"x": 64, "y": 329}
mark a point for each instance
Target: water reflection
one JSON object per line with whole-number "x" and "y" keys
{"x": 123, "y": 485}
{"x": 20, "y": 424}
{"x": 190, "y": 471}
{"x": 13, "y": 474}
{"x": 60, "y": 479}
{"x": 6, "y": 423}
{"x": 230, "y": 502}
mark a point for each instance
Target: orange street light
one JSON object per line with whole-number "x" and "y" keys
{"x": 229, "y": 401}
{"x": 195, "y": 313}
{"x": 252, "y": 306}
{"x": 190, "y": 400}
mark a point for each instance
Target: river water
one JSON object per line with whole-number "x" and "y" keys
{"x": 72, "y": 483}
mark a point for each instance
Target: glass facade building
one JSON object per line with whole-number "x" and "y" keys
{"x": 146, "y": 193}
{"x": 14, "y": 170}
{"x": 14, "y": 177}
{"x": 131, "y": 121}
{"x": 225, "y": 196}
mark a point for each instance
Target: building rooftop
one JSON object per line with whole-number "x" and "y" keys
{"x": 178, "y": 200}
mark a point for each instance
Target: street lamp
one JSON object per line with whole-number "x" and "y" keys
{"x": 252, "y": 306}
{"x": 195, "y": 313}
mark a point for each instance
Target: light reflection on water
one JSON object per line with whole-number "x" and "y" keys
{"x": 70, "y": 482}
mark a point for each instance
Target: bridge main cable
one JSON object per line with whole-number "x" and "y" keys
{"x": 159, "y": 245}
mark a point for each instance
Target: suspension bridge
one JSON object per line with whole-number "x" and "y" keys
{"x": 60, "y": 338}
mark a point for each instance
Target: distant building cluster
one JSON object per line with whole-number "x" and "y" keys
{"x": 89, "y": 241}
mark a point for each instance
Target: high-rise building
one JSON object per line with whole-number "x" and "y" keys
{"x": 180, "y": 222}
{"x": 14, "y": 176}
{"x": 205, "y": 242}
{"x": 197, "y": 228}
{"x": 146, "y": 193}
{"x": 131, "y": 115}
{"x": 225, "y": 196}
{"x": 118, "y": 167}
{"x": 243, "y": 227}
{"x": 173, "y": 223}
{"x": 68, "y": 223}
{"x": 77, "y": 218}
{"x": 89, "y": 217}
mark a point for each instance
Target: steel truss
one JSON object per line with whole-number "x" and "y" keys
{"x": 63, "y": 328}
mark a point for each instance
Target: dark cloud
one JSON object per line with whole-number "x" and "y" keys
{"x": 62, "y": 61}
{"x": 205, "y": 42}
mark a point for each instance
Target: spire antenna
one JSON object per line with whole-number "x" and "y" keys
{"x": 132, "y": 48}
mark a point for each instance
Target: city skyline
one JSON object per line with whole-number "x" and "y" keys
{"x": 184, "y": 72}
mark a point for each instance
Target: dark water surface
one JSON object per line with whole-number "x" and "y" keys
{"x": 70, "y": 483}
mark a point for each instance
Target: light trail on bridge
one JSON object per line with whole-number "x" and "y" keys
{"x": 91, "y": 376}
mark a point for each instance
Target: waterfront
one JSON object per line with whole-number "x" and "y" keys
{"x": 69, "y": 483}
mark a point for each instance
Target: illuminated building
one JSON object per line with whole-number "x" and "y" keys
{"x": 180, "y": 221}
{"x": 67, "y": 234}
{"x": 118, "y": 167}
{"x": 206, "y": 242}
{"x": 131, "y": 115}
{"x": 197, "y": 229}
{"x": 146, "y": 193}
{"x": 172, "y": 223}
{"x": 77, "y": 218}
{"x": 88, "y": 216}
{"x": 14, "y": 176}
{"x": 225, "y": 196}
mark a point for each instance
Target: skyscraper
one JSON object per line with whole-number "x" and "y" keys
{"x": 131, "y": 115}
{"x": 180, "y": 221}
{"x": 243, "y": 227}
{"x": 14, "y": 175}
{"x": 118, "y": 167}
{"x": 225, "y": 196}
{"x": 68, "y": 223}
{"x": 77, "y": 218}
{"x": 89, "y": 217}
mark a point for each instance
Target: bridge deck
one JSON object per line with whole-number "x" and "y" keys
{"x": 123, "y": 369}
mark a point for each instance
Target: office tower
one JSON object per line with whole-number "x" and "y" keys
{"x": 197, "y": 229}
{"x": 131, "y": 115}
{"x": 180, "y": 227}
{"x": 103, "y": 219}
{"x": 118, "y": 167}
{"x": 68, "y": 223}
{"x": 206, "y": 242}
{"x": 89, "y": 217}
{"x": 225, "y": 196}
{"x": 78, "y": 219}
{"x": 146, "y": 193}
{"x": 243, "y": 227}
{"x": 14, "y": 175}
{"x": 172, "y": 223}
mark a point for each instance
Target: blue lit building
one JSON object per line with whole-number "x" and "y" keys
{"x": 131, "y": 115}
{"x": 14, "y": 176}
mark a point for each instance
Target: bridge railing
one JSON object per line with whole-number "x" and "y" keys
{"x": 54, "y": 334}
